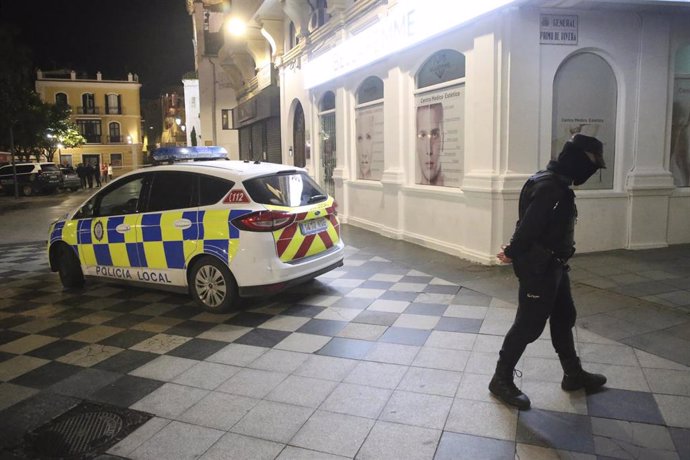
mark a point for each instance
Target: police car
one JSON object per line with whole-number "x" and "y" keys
{"x": 215, "y": 228}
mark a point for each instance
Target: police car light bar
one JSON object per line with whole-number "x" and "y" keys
{"x": 172, "y": 154}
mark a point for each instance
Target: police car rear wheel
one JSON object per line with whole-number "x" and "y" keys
{"x": 71, "y": 275}
{"x": 212, "y": 285}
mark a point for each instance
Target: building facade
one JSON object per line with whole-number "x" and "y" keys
{"x": 425, "y": 124}
{"x": 106, "y": 112}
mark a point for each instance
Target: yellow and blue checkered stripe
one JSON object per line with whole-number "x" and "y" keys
{"x": 113, "y": 248}
{"x": 65, "y": 231}
{"x": 161, "y": 244}
{"x": 220, "y": 237}
{"x": 165, "y": 246}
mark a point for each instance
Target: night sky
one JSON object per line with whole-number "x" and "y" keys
{"x": 152, "y": 38}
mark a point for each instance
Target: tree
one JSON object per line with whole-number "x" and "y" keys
{"x": 15, "y": 84}
{"x": 61, "y": 131}
{"x": 25, "y": 120}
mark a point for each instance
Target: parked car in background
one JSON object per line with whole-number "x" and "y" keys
{"x": 32, "y": 178}
{"x": 70, "y": 180}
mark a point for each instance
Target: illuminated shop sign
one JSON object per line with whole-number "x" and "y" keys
{"x": 406, "y": 24}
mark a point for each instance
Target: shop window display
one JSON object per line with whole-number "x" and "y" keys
{"x": 369, "y": 129}
{"x": 679, "y": 163}
{"x": 585, "y": 95}
{"x": 439, "y": 120}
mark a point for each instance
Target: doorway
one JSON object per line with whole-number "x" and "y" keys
{"x": 298, "y": 137}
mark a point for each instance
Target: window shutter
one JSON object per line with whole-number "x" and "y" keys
{"x": 119, "y": 104}
{"x": 107, "y": 106}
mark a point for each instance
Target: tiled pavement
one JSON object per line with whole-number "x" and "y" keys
{"x": 386, "y": 357}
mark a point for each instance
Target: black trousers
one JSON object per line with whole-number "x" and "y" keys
{"x": 542, "y": 297}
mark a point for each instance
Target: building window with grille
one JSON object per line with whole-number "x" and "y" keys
{"x": 113, "y": 104}
{"x": 114, "y": 136}
{"x": 116, "y": 160}
{"x": 88, "y": 104}
{"x": 61, "y": 99}
{"x": 91, "y": 130}
{"x": 440, "y": 120}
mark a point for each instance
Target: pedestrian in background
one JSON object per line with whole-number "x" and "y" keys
{"x": 110, "y": 171}
{"x": 89, "y": 174}
{"x": 81, "y": 172}
{"x": 539, "y": 251}
{"x": 104, "y": 173}
{"x": 97, "y": 174}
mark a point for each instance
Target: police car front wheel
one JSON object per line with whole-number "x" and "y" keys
{"x": 69, "y": 268}
{"x": 212, "y": 285}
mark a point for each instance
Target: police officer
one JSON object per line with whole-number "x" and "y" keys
{"x": 539, "y": 251}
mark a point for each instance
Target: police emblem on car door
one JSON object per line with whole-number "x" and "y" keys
{"x": 107, "y": 231}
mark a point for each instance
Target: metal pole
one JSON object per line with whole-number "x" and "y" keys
{"x": 14, "y": 167}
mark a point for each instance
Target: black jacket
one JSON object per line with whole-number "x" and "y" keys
{"x": 547, "y": 214}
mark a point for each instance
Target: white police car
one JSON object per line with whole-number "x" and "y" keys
{"x": 218, "y": 229}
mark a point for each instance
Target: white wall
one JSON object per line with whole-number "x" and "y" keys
{"x": 192, "y": 108}
{"x": 216, "y": 94}
{"x": 508, "y": 126}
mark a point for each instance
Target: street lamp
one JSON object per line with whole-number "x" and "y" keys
{"x": 235, "y": 26}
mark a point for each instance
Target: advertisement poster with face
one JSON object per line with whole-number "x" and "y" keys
{"x": 680, "y": 133}
{"x": 369, "y": 142}
{"x": 439, "y": 139}
{"x": 585, "y": 97}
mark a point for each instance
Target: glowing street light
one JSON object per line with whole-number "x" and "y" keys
{"x": 235, "y": 26}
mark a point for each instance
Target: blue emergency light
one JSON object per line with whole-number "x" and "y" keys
{"x": 172, "y": 154}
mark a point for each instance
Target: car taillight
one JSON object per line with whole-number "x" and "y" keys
{"x": 264, "y": 221}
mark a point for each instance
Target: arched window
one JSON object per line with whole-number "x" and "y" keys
{"x": 369, "y": 129}
{"x": 327, "y": 140}
{"x": 680, "y": 120}
{"x": 114, "y": 135}
{"x": 585, "y": 96}
{"x": 327, "y": 102}
{"x": 440, "y": 119}
{"x": 61, "y": 99}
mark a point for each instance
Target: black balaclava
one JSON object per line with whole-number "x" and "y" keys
{"x": 574, "y": 162}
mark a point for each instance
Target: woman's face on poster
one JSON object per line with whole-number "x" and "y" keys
{"x": 364, "y": 126}
{"x": 429, "y": 140}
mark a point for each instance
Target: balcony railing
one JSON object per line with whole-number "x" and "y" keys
{"x": 88, "y": 110}
{"x": 119, "y": 139}
{"x": 113, "y": 110}
{"x": 93, "y": 138}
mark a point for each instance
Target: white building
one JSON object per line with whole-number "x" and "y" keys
{"x": 425, "y": 117}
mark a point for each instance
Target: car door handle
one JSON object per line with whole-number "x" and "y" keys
{"x": 123, "y": 228}
{"x": 183, "y": 224}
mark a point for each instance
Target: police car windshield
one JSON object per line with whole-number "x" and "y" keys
{"x": 293, "y": 190}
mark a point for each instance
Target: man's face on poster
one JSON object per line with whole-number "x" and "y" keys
{"x": 364, "y": 127}
{"x": 429, "y": 141}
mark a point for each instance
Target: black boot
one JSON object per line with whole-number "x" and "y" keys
{"x": 503, "y": 387}
{"x": 574, "y": 377}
